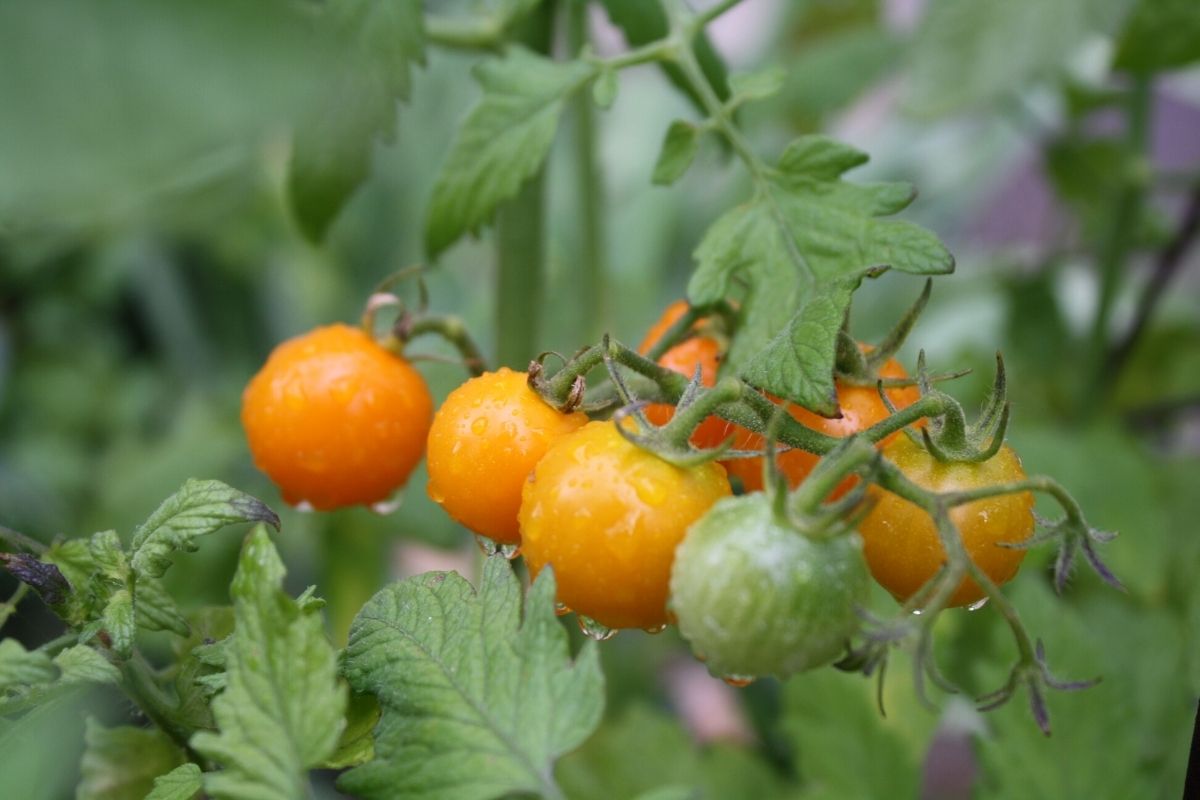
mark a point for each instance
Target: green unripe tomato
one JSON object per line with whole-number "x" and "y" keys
{"x": 754, "y": 596}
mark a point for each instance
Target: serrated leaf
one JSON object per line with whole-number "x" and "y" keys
{"x": 76, "y": 666}
{"x": 281, "y": 711}
{"x": 122, "y": 763}
{"x": 801, "y": 245}
{"x": 118, "y": 621}
{"x": 679, "y": 149}
{"x": 1160, "y": 35}
{"x": 331, "y": 153}
{"x": 477, "y": 702}
{"x": 502, "y": 143}
{"x": 201, "y": 658}
{"x": 197, "y": 509}
{"x": 182, "y": 783}
{"x": 756, "y": 85}
{"x": 19, "y": 666}
{"x": 969, "y": 53}
{"x": 156, "y": 609}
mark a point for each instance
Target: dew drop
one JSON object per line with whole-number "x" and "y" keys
{"x": 650, "y": 492}
{"x": 304, "y": 507}
{"x": 978, "y": 604}
{"x": 389, "y": 506}
{"x": 561, "y": 609}
{"x": 479, "y": 426}
{"x": 916, "y": 612}
{"x": 595, "y": 630}
{"x": 435, "y": 494}
{"x": 738, "y": 681}
{"x": 657, "y": 629}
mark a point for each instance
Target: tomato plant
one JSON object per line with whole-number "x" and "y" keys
{"x": 901, "y": 539}
{"x": 486, "y": 438}
{"x": 335, "y": 419}
{"x": 607, "y": 516}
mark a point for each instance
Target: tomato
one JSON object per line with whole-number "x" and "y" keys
{"x": 700, "y": 350}
{"x": 901, "y": 541}
{"x": 334, "y": 419}
{"x": 861, "y": 408}
{"x": 608, "y": 515}
{"x": 485, "y": 439}
{"x": 755, "y": 596}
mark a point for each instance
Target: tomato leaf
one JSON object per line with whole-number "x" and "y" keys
{"x": 502, "y": 142}
{"x": 332, "y": 150}
{"x": 181, "y": 783}
{"x": 122, "y": 763}
{"x": 477, "y": 703}
{"x": 281, "y": 712}
{"x": 1160, "y": 35}
{"x": 679, "y": 148}
{"x": 74, "y": 667}
{"x": 802, "y": 244}
{"x": 20, "y": 666}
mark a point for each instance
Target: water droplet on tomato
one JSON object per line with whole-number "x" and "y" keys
{"x": 978, "y": 604}
{"x": 479, "y": 426}
{"x": 916, "y": 612}
{"x": 650, "y": 492}
{"x": 389, "y": 506}
{"x": 738, "y": 681}
{"x": 595, "y": 630}
{"x": 655, "y": 630}
{"x": 304, "y": 507}
{"x": 435, "y": 494}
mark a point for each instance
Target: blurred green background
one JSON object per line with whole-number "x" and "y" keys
{"x": 149, "y": 262}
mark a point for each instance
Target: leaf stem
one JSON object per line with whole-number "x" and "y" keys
{"x": 702, "y": 19}
{"x": 138, "y": 681}
{"x": 464, "y": 33}
{"x": 20, "y": 541}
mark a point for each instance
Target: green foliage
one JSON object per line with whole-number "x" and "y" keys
{"x": 122, "y": 763}
{"x": 39, "y": 678}
{"x": 332, "y": 148}
{"x": 280, "y": 713}
{"x": 679, "y": 148}
{"x": 802, "y": 245}
{"x": 969, "y": 53}
{"x": 1160, "y": 35}
{"x": 502, "y": 143}
{"x": 478, "y": 699}
{"x": 182, "y": 783}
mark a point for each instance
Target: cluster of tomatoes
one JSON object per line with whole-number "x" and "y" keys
{"x": 336, "y": 419}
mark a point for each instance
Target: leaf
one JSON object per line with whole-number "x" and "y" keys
{"x": 20, "y": 666}
{"x": 604, "y": 90}
{"x": 197, "y": 509}
{"x": 679, "y": 148}
{"x": 1160, "y": 35}
{"x": 281, "y": 711}
{"x": 331, "y": 152}
{"x": 181, "y": 783}
{"x": 357, "y": 745}
{"x": 202, "y": 658}
{"x": 476, "y": 702}
{"x": 122, "y": 763}
{"x": 801, "y": 245}
{"x": 156, "y": 609}
{"x": 969, "y": 53}
{"x": 502, "y": 142}
{"x": 118, "y": 622}
{"x": 74, "y": 667}
{"x": 756, "y": 85}
{"x": 81, "y": 664}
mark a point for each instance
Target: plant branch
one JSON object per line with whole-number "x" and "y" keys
{"x": 20, "y": 541}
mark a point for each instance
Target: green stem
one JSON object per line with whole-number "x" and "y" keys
{"x": 683, "y": 424}
{"x": 464, "y": 33}
{"x": 1121, "y": 234}
{"x": 705, "y": 17}
{"x": 20, "y": 541}
{"x": 137, "y": 679}
{"x": 593, "y": 305}
{"x": 930, "y": 405}
{"x": 453, "y": 330}
{"x": 830, "y": 471}
{"x": 520, "y": 238}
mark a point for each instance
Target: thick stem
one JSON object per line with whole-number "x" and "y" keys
{"x": 830, "y": 472}
{"x": 520, "y": 234}
{"x": 593, "y": 301}
{"x": 137, "y": 679}
{"x": 20, "y": 541}
{"x": 931, "y": 405}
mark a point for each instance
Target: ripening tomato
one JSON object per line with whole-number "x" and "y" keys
{"x": 335, "y": 419}
{"x": 901, "y": 541}
{"x": 607, "y": 516}
{"x": 485, "y": 439}
{"x": 861, "y": 408}
{"x": 755, "y": 596}
{"x": 702, "y": 351}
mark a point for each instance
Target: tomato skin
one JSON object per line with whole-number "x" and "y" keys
{"x": 485, "y": 440}
{"x": 702, "y": 351}
{"x": 756, "y": 597}
{"x": 608, "y": 515}
{"x": 334, "y": 419}
{"x": 861, "y": 408}
{"x": 901, "y": 541}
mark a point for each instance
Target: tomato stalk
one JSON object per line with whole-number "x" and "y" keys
{"x": 138, "y": 681}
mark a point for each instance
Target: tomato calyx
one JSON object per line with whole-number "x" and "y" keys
{"x": 948, "y": 436}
